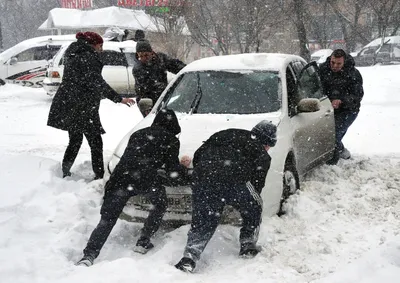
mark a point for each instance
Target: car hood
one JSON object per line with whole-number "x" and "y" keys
{"x": 197, "y": 128}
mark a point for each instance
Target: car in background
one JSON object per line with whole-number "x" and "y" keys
{"x": 238, "y": 91}
{"x": 26, "y": 62}
{"x": 379, "y": 51}
{"x": 321, "y": 55}
{"x": 118, "y": 59}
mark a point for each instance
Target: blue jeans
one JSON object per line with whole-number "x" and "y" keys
{"x": 208, "y": 202}
{"x": 343, "y": 120}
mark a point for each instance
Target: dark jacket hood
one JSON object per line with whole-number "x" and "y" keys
{"x": 78, "y": 47}
{"x": 166, "y": 119}
{"x": 349, "y": 62}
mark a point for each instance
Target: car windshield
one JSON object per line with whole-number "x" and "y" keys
{"x": 220, "y": 92}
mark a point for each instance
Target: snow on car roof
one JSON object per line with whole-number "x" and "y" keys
{"x": 388, "y": 39}
{"x": 248, "y": 61}
{"x": 34, "y": 42}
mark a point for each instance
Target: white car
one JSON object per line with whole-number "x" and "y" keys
{"x": 321, "y": 55}
{"x": 26, "y": 62}
{"x": 118, "y": 60}
{"x": 238, "y": 91}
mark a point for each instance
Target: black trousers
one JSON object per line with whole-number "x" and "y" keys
{"x": 208, "y": 204}
{"x": 96, "y": 148}
{"x": 115, "y": 199}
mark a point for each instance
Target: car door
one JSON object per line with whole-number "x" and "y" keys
{"x": 312, "y": 129}
{"x": 115, "y": 70}
{"x": 322, "y": 133}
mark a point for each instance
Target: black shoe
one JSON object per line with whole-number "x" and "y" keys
{"x": 345, "y": 153}
{"x": 186, "y": 265}
{"x": 66, "y": 174}
{"x": 143, "y": 245}
{"x": 85, "y": 261}
{"x": 249, "y": 250}
{"x": 97, "y": 178}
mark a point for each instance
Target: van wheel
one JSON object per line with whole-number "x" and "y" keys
{"x": 291, "y": 185}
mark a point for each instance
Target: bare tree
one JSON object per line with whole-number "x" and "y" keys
{"x": 299, "y": 21}
{"x": 349, "y": 13}
{"x": 21, "y": 19}
{"x": 225, "y": 26}
{"x": 386, "y": 16}
{"x": 173, "y": 33}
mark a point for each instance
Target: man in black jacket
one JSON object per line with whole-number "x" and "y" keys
{"x": 228, "y": 169}
{"x": 148, "y": 150}
{"x": 150, "y": 72}
{"x": 343, "y": 85}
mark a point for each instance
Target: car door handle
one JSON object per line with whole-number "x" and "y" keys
{"x": 328, "y": 112}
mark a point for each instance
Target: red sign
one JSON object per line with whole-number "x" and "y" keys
{"x": 150, "y": 3}
{"x": 77, "y": 4}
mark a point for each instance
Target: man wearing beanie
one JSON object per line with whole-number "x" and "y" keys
{"x": 136, "y": 174}
{"x": 75, "y": 106}
{"x": 150, "y": 72}
{"x": 228, "y": 169}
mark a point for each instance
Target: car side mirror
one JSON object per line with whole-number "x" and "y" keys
{"x": 145, "y": 105}
{"x": 308, "y": 105}
{"x": 13, "y": 61}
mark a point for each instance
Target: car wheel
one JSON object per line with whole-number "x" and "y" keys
{"x": 291, "y": 184}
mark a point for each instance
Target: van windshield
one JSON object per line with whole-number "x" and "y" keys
{"x": 219, "y": 92}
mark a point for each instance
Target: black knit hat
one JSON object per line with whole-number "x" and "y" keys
{"x": 139, "y": 35}
{"x": 143, "y": 46}
{"x": 265, "y": 132}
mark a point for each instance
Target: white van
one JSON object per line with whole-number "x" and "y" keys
{"x": 26, "y": 62}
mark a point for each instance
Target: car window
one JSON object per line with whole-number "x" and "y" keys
{"x": 297, "y": 67}
{"x": 368, "y": 51}
{"x": 396, "y": 51}
{"x": 309, "y": 83}
{"x": 113, "y": 58}
{"x": 222, "y": 92}
{"x": 38, "y": 53}
{"x": 131, "y": 58}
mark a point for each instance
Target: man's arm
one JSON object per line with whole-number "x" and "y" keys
{"x": 173, "y": 65}
{"x": 356, "y": 91}
{"x": 176, "y": 172}
{"x": 261, "y": 168}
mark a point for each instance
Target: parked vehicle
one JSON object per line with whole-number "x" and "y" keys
{"x": 238, "y": 91}
{"x": 118, "y": 60}
{"x": 380, "y": 51}
{"x": 26, "y": 62}
{"x": 321, "y": 55}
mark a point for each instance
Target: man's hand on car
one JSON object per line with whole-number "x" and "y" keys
{"x": 186, "y": 160}
{"x": 336, "y": 103}
{"x": 128, "y": 101}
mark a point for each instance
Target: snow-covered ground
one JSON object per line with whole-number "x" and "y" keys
{"x": 342, "y": 227}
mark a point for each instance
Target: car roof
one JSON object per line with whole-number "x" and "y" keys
{"x": 248, "y": 61}
{"x": 378, "y": 41}
{"x": 23, "y": 45}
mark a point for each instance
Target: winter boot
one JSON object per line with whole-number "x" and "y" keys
{"x": 66, "y": 174}
{"x": 345, "y": 154}
{"x": 186, "y": 265}
{"x": 143, "y": 245}
{"x": 249, "y": 250}
{"x": 85, "y": 261}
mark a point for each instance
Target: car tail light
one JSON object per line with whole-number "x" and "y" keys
{"x": 54, "y": 74}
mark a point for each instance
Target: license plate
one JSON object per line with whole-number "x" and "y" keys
{"x": 176, "y": 203}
